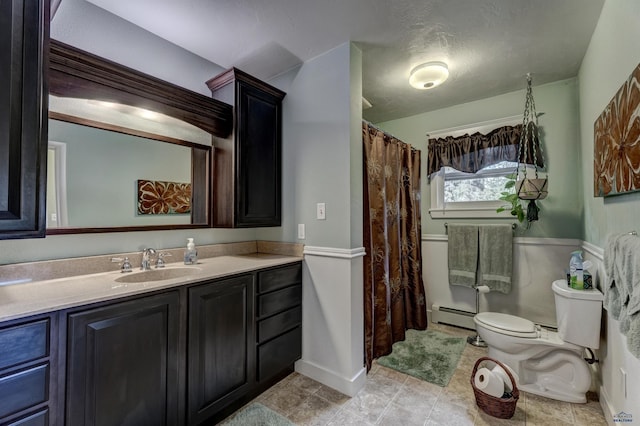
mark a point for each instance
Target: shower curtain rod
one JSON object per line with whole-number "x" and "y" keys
{"x": 389, "y": 134}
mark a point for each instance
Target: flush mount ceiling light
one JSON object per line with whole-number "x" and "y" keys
{"x": 428, "y": 75}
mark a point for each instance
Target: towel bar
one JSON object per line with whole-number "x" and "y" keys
{"x": 513, "y": 226}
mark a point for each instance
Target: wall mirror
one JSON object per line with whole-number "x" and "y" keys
{"x": 126, "y": 151}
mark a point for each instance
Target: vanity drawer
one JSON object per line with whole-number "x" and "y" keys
{"x": 279, "y": 300}
{"x": 23, "y": 343}
{"x": 279, "y": 278}
{"x": 279, "y": 353}
{"x": 23, "y": 389}
{"x": 271, "y": 327}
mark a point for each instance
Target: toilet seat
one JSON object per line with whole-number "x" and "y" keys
{"x": 509, "y": 325}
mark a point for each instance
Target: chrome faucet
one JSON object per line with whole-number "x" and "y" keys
{"x": 160, "y": 262}
{"x": 146, "y": 258}
{"x": 125, "y": 265}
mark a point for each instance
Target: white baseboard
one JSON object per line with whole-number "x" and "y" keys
{"x": 607, "y": 409}
{"x": 348, "y": 386}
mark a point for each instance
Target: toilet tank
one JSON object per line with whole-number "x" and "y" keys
{"x": 578, "y": 313}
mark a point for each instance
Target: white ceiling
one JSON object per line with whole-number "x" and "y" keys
{"x": 490, "y": 45}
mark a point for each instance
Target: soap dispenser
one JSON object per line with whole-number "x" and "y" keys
{"x": 190, "y": 254}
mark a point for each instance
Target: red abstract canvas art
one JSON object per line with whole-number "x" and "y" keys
{"x": 616, "y": 156}
{"x": 157, "y": 197}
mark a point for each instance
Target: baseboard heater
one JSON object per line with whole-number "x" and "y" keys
{"x": 451, "y": 316}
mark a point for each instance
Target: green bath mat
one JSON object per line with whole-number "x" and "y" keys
{"x": 428, "y": 355}
{"x": 256, "y": 414}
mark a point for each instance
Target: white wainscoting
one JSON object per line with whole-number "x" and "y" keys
{"x": 615, "y": 358}
{"x": 332, "y": 318}
{"x": 537, "y": 262}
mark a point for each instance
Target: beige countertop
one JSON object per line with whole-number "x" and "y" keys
{"x": 36, "y": 297}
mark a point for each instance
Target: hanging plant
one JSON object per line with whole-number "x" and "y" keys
{"x": 519, "y": 186}
{"x": 511, "y": 197}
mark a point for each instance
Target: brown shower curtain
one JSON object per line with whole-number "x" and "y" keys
{"x": 394, "y": 298}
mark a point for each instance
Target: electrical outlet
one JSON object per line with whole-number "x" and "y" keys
{"x": 301, "y": 231}
{"x": 321, "y": 213}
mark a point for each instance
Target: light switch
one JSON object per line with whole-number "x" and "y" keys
{"x": 321, "y": 213}
{"x": 301, "y": 231}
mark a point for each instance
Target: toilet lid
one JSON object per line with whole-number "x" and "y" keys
{"x": 507, "y": 324}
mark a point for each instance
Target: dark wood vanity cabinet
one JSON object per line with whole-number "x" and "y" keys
{"x": 24, "y": 34}
{"x": 184, "y": 356}
{"x": 278, "y": 321}
{"x": 27, "y": 371}
{"x": 247, "y": 165}
{"x": 123, "y": 363}
{"x": 219, "y": 346}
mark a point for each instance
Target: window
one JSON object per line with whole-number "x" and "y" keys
{"x": 485, "y": 185}
{"x": 456, "y": 194}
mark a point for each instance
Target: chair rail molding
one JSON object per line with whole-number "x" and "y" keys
{"x": 334, "y": 252}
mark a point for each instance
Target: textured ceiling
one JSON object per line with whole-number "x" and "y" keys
{"x": 490, "y": 45}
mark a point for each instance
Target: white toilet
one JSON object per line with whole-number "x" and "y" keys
{"x": 550, "y": 364}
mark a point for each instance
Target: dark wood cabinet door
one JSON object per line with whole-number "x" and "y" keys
{"x": 219, "y": 346}
{"x": 24, "y": 34}
{"x": 247, "y": 166}
{"x": 258, "y": 157}
{"x": 122, "y": 363}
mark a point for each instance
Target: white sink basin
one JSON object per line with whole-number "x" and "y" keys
{"x": 156, "y": 275}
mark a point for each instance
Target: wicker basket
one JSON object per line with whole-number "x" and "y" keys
{"x": 502, "y": 408}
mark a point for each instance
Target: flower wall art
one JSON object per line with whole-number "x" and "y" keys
{"x": 157, "y": 197}
{"x": 616, "y": 156}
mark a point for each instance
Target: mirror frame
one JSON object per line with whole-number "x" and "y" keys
{"x": 75, "y": 73}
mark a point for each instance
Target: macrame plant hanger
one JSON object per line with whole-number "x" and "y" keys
{"x": 526, "y": 188}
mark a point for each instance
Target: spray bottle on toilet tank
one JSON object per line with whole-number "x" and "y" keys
{"x": 576, "y": 277}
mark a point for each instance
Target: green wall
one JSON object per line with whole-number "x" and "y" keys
{"x": 322, "y": 150}
{"x": 561, "y": 212}
{"x": 612, "y": 55}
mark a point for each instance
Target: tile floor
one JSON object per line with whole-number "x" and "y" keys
{"x": 393, "y": 398}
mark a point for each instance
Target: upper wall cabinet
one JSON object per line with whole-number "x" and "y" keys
{"x": 24, "y": 34}
{"x": 247, "y": 165}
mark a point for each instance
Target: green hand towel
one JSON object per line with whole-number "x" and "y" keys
{"x": 463, "y": 254}
{"x": 496, "y": 257}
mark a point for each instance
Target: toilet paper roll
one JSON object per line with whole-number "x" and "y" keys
{"x": 483, "y": 289}
{"x": 488, "y": 382}
{"x": 499, "y": 372}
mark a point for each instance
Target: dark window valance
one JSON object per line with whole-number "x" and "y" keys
{"x": 470, "y": 153}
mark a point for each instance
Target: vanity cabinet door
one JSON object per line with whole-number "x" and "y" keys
{"x": 247, "y": 181}
{"x": 24, "y": 33}
{"x": 219, "y": 346}
{"x": 123, "y": 363}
